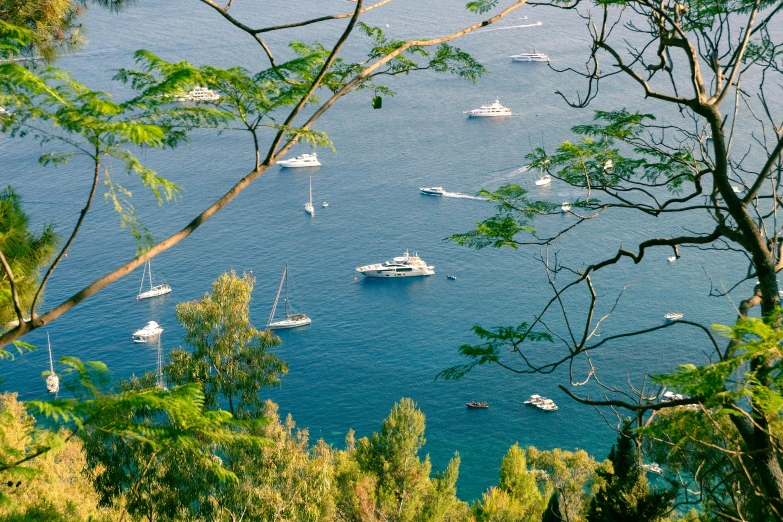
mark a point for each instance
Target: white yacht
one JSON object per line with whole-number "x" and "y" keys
{"x": 432, "y": 191}
{"x": 292, "y": 319}
{"x": 404, "y": 266}
{"x": 305, "y": 160}
{"x": 534, "y": 399}
{"x": 673, "y": 316}
{"x": 535, "y": 56}
{"x": 492, "y": 110}
{"x": 546, "y": 179}
{"x": 198, "y": 94}
{"x": 309, "y": 208}
{"x": 155, "y": 290}
{"x": 151, "y": 329}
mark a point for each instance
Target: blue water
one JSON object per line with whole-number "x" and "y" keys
{"x": 371, "y": 342}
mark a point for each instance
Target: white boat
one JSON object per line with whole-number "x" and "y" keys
{"x": 566, "y": 206}
{"x": 534, "y": 399}
{"x": 155, "y": 290}
{"x": 736, "y": 189}
{"x": 325, "y": 204}
{"x": 52, "y": 381}
{"x": 404, "y": 266}
{"x": 653, "y": 467}
{"x": 309, "y": 208}
{"x": 292, "y": 318}
{"x": 432, "y": 191}
{"x": 150, "y": 330}
{"x": 535, "y": 56}
{"x": 546, "y": 179}
{"x": 492, "y": 110}
{"x": 198, "y": 94}
{"x": 673, "y": 316}
{"x": 672, "y": 259}
{"x": 305, "y": 160}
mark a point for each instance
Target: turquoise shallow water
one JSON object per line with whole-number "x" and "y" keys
{"x": 371, "y": 342}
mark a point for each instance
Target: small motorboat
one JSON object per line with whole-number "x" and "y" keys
{"x": 544, "y": 180}
{"x": 672, "y": 259}
{"x": 736, "y": 189}
{"x": 673, "y": 316}
{"x": 565, "y": 207}
{"x": 325, "y": 204}
{"x": 151, "y": 329}
{"x": 653, "y": 467}
{"x": 534, "y": 399}
{"x": 475, "y": 404}
{"x": 432, "y": 191}
{"x": 453, "y": 277}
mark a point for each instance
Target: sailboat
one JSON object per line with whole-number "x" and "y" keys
{"x": 52, "y": 381}
{"x": 309, "y": 205}
{"x": 155, "y": 290}
{"x": 292, "y": 319}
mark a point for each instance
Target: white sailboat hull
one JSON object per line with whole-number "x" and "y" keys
{"x": 289, "y": 322}
{"x": 155, "y": 291}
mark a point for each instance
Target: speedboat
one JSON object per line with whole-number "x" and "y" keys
{"x": 198, "y": 94}
{"x": 151, "y": 329}
{"x": 653, "y": 467}
{"x": 305, "y": 160}
{"x": 673, "y": 316}
{"x": 432, "y": 191}
{"x": 492, "y": 110}
{"x": 546, "y": 179}
{"x": 474, "y": 404}
{"x": 453, "y": 277}
{"x": 325, "y": 204}
{"x": 566, "y": 206}
{"x": 535, "y": 56}
{"x": 672, "y": 259}
{"x": 403, "y": 266}
{"x": 736, "y": 189}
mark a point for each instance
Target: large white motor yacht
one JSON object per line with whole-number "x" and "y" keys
{"x": 535, "y": 56}
{"x": 494, "y": 109}
{"x": 151, "y": 329}
{"x": 432, "y": 191}
{"x": 404, "y": 266}
{"x": 305, "y": 160}
{"x": 198, "y": 94}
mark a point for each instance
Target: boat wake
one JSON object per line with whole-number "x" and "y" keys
{"x": 462, "y": 196}
{"x": 536, "y": 24}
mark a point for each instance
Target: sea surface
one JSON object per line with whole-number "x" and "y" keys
{"x": 372, "y": 342}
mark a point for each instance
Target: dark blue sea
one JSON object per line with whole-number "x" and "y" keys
{"x": 371, "y": 342}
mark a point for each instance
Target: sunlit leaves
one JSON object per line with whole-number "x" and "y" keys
{"x": 481, "y": 6}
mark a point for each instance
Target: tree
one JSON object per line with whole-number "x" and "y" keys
{"x": 399, "y": 482}
{"x": 518, "y": 496}
{"x": 229, "y": 357}
{"x": 552, "y": 511}
{"x": 710, "y": 65}
{"x": 52, "y": 101}
{"x": 626, "y": 494}
{"x": 24, "y": 253}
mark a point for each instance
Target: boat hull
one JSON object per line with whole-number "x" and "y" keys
{"x": 485, "y": 115}
{"x": 293, "y": 165}
{"x": 380, "y": 273}
{"x": 429, "y": 192}
{"x": 155, "y": 292}
{"x": 285, "y": 324}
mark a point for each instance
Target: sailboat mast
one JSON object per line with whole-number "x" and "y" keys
{"x": 287, "y": 314}
{"x": 277, "y": 297}
{"x": 143, "y": 273}
{"x": 311, "y": 191}
{"x": 149, "y": 266}
{"x": 51, "y": 363}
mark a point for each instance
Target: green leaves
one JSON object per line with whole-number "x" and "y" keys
{"x": 496, "y": 342}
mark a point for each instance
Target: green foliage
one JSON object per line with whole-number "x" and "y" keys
{"x": 481, "y": 6}
{"x": 25, "y": 252}
{"x": 626, "y": 495}
{"x": 229, "y": 357}
{"x": 399, "y": 485}
{"x": 520, "y": 496}
{"x": 496, "y": 342}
